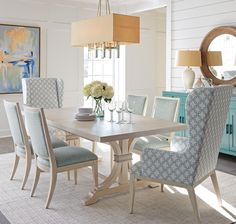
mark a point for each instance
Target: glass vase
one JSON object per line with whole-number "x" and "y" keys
{"x": 98, "y": 110}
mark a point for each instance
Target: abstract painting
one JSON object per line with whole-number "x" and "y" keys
{"x": 19, "y": 56}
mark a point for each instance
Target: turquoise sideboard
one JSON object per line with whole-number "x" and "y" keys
{"x": 228, "y": 144}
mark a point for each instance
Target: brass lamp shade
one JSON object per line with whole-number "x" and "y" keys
{"x": 188, "y": 58}
{"x": 109, "y": 30}
{"x": 214, "y": 58}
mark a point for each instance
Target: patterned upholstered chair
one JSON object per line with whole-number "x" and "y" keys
{"x": 191, "y": 160}
{"x": 48, "y": 93}
{"x": 54, "y": 160}
{"x": 43, "y": 92}
{"x": 138, "y": 103}
{"x": 165, "y": 108}
{"x": 22, "y": 144}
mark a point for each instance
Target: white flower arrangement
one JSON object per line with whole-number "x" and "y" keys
{"x": 99, "y": 90}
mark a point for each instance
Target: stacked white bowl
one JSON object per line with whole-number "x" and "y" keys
{"x": 85, "y": 114}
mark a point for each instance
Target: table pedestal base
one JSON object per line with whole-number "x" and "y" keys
{"x": 119, "y": 175}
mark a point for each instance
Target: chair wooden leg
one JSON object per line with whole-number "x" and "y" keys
{"x": 162, "y": 187}
{"x": 216, "y": 187}
{"x": 75, "y": 176}
{"x": 131, "y": 193}
{"x": 36, "y": 180}
{"x": 77, "y": 142}
{"x": 193, "y": 199}
{"x": 68, "y": 175}
{"x": 16, "y": 162}
{"x": 52, "y": 186}
{"x": 95, "y": 173}
{"x": 27, "y": 171}
{"x": 93, "y": 147}
{"x": 111, "y": 158}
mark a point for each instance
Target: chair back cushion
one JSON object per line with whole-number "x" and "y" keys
{"x": 34, "y": 123}
{"x": 166, "y": 108}
{"x": 43, "y": 92}
{"x": 137, "y": 103}
{"x": 14, "y": 123}
{"x": 213, "y": 130}
{"x": 207, "y": 110}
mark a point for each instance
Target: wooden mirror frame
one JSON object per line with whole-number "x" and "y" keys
{"x": 204, "y": 49}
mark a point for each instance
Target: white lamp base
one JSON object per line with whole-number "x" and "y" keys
{"x": 188, "y": 78}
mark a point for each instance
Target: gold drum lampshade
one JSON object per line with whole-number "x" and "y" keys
{"x": 105, "y": 33}
{"x": 108, "y": 30}
{"x": 214, "y": 58}
{"x": 188, "y": 58}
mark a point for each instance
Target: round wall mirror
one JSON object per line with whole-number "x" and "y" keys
{"x": 219, "y": 55}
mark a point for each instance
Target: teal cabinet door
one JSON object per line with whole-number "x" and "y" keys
{"x": 181, "y": 119}
{"x": 224, "y": 147}
{"x": 179, "y": 133}
{"x": 232, "y": 131}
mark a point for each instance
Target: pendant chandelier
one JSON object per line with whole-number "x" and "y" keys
{"x": 106, "y": 32}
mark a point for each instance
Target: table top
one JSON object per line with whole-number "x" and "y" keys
{"x": 102, "y": 130}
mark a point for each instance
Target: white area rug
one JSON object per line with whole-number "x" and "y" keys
{"x": 151, "y": 206}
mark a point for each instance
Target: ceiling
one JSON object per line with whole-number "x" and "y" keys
{"x": 118, "y": 6}
{"x": 125, "y": 5}
{"x": 112, "y": 1}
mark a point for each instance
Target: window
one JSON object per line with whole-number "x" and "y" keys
{"x": 109, "y": 70}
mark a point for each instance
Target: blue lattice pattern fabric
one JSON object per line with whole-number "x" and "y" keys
{"x": 192, "y": 158}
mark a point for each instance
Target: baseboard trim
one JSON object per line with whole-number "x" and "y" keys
{"x": 5, "y": 133}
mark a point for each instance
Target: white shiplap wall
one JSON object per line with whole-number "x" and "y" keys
{"x": 145, "y": 62}
{"x": 191, "y": 21}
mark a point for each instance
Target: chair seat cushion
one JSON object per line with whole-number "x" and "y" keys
{"x": 70, "y": 155}
{"x": 56, "y": 143}
{"x": 154, "y": 142}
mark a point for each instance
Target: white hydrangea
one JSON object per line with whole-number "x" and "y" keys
{"x": 87, "y": 90}
{"x": 97, "y": 89}
{"x": 93, "y": 83}
{"x": 108, "y": 93}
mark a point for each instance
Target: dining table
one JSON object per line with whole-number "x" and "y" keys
{"x": 120, "y": 136}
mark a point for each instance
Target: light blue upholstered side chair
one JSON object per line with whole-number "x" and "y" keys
{"x": 22, "y": 144}
{"x": 138, "y": 104}
{"x": 48, "y": 93}
{"x": 165, "y": 108}
{"x": 190, "y": 160}
{"x": 55, "y": 160}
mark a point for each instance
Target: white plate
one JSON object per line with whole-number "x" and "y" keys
{"x": 85, "y": 117}
{"x": 84, "y": 110}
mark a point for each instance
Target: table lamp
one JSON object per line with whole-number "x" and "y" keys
{"x": 214, "y": 58}
{"x": 188, "y": 58}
